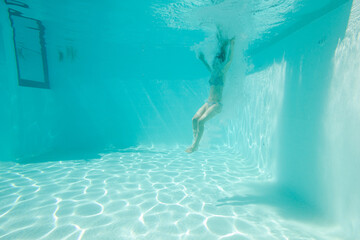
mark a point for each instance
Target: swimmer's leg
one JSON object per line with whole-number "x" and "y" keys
{"x": 209, "y": 113}
{"x": 197, "y": 116}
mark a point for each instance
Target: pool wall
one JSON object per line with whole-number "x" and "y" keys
{"x": 103, "y": 93}
{"x": 308, "y": 53}
{"x": 342, "y": 131}
{"x": 28, "y": 117}
{"x": 317, "y": 132}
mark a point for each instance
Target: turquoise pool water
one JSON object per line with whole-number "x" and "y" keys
{"x": 96, "y": 102}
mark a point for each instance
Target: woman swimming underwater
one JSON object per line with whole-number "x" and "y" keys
{"x": 213, "y": 106}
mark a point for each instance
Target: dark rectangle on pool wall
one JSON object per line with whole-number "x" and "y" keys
{"x": 30, "y": 50}
{"x": 2, "y": 48}
{"x": 16, "y": 3}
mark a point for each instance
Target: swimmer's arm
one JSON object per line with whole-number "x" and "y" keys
{"x": 202, "y": 59}
{"x": 231, "y": 55}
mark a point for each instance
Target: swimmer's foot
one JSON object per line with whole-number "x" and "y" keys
{"x": 191, "y": 149}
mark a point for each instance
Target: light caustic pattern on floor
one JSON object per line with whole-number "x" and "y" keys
{"x": 142, "y": 193}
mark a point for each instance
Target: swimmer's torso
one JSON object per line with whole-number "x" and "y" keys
{"x": 216, "y": 85}
{"x": 215, "y": 94}
{"x": 218, "y": 73}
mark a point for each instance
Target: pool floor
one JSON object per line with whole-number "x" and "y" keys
{"x": 142, "y": 193}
